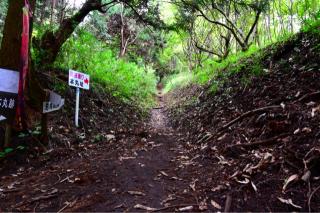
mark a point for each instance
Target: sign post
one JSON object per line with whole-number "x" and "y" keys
{"x": 80, "y": 81}
{"x": 77, "y": 106}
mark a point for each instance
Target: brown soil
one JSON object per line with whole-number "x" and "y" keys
{"x": 143, "y": 168}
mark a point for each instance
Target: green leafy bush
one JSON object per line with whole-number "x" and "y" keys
{"x": 177, "y": 81}
{"x": 125, "y": 80}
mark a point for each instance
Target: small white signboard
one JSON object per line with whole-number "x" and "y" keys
{"x": 79, "y": 80}
{"x": 9, "y": 81}
{"x": 9, "y": 86}
{"x": 55, "y": 103}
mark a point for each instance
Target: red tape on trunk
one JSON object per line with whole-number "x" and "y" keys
{"x": 24, "y": 66}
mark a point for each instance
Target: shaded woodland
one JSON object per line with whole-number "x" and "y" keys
{"x": 193, "y": 105}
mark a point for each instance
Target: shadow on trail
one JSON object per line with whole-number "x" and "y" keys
{"x": 136, "y": 172}
{"x": 150, "y": 180}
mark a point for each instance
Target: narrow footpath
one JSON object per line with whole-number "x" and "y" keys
{"x": 140, "y": 172}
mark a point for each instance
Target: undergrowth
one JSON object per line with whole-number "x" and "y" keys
{"x": 177, "y": 80}
{"x": 127, "y": 81}
{"x": 251, "y": 62}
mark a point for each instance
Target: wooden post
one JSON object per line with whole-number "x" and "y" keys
{"x": 7, "y": 137}
{"x": 44, "y": 129}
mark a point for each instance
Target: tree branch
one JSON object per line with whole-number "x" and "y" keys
{"x": 216, "y": 7}
{"x": 234, "y": 33}
{"x": 253, "y": 26}
{"x": 206, "y": 50}
{"x": 51, "y": 42}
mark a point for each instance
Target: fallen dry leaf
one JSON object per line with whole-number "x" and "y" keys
{"x": 126, "y": 158}
{"x": 136, "y": 193}
{"x": 314, "y": 111}
{"x": 193, "y": 185}
{"x": 187, "y": 208}
{"x": 296, "y": 131}
{"x": 289, "y": 202}
{"x": 245, "y": 181}
{"x": 289, "y": 180}
{"x": 254, "y": 186}
{"x": 215, "y": 204}
{"x": 164, "y": 174}
{"x": 306, "y": 130}
{"x": 218, "y": 188}
{"x": 169, "y": 198}
{"x": 139, "y": 206}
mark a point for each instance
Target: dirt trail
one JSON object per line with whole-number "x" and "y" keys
{"x": 150, "y": 177}
{"x": 130, "y": 174}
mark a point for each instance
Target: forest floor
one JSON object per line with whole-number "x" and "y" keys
{"x": 135, "y": 173}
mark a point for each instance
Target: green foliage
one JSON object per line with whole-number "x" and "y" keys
{"x": 3, "y": 12}
{"x": 6, "y": 152}
{"x": 172, "y": 58}
{"x": 178, "y": 80}
{"x": 211, "y": 68}
{"x": 9, "y": 150}
{"x": 216, "y": 72}
{"x": 312, "y": 25}
{"x": 126, "y": 80}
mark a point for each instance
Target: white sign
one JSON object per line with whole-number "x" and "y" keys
{"x": 55, "y": 103}
{"x": 9, "y": 81}
{"x": 79, "y": 80}
{"x": 9, "y": 86}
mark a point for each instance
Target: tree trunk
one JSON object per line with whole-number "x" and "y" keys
{"x": 62, "y": 8}
{"x": 11, "y": 42}
{"x": 10, "y": 46}
{"x": 43, "y": 11}
{"x": 53, "y": 6}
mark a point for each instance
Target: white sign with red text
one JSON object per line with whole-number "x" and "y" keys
{"x": 79, "y": 80}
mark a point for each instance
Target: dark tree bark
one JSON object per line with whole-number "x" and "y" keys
{"x": 10, "y": 47}
{"x": 11, "y": 43}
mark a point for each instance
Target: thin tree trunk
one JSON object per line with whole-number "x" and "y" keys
{"x": 43, "y": 11}
{"x": 53, "y": 5}
{"x": 11, "y": 44}
{"x": 291, "y": 16}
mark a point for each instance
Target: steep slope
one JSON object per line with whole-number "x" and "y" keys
{"x": 254, "y": 131}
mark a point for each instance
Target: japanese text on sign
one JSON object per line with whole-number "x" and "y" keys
{"x": 80, "y": 80}
{"x": 7, "y": 103}
{"x": 55, "y": 103}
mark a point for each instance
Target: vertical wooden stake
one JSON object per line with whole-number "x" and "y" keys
{"x": 7, "y": 137}
{"x": 77, "y": 107}
{"x": 44, "y": 128}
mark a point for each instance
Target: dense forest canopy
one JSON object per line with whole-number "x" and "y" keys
{"x": 142, "y": 42}
{"x": 206, "y": 29}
